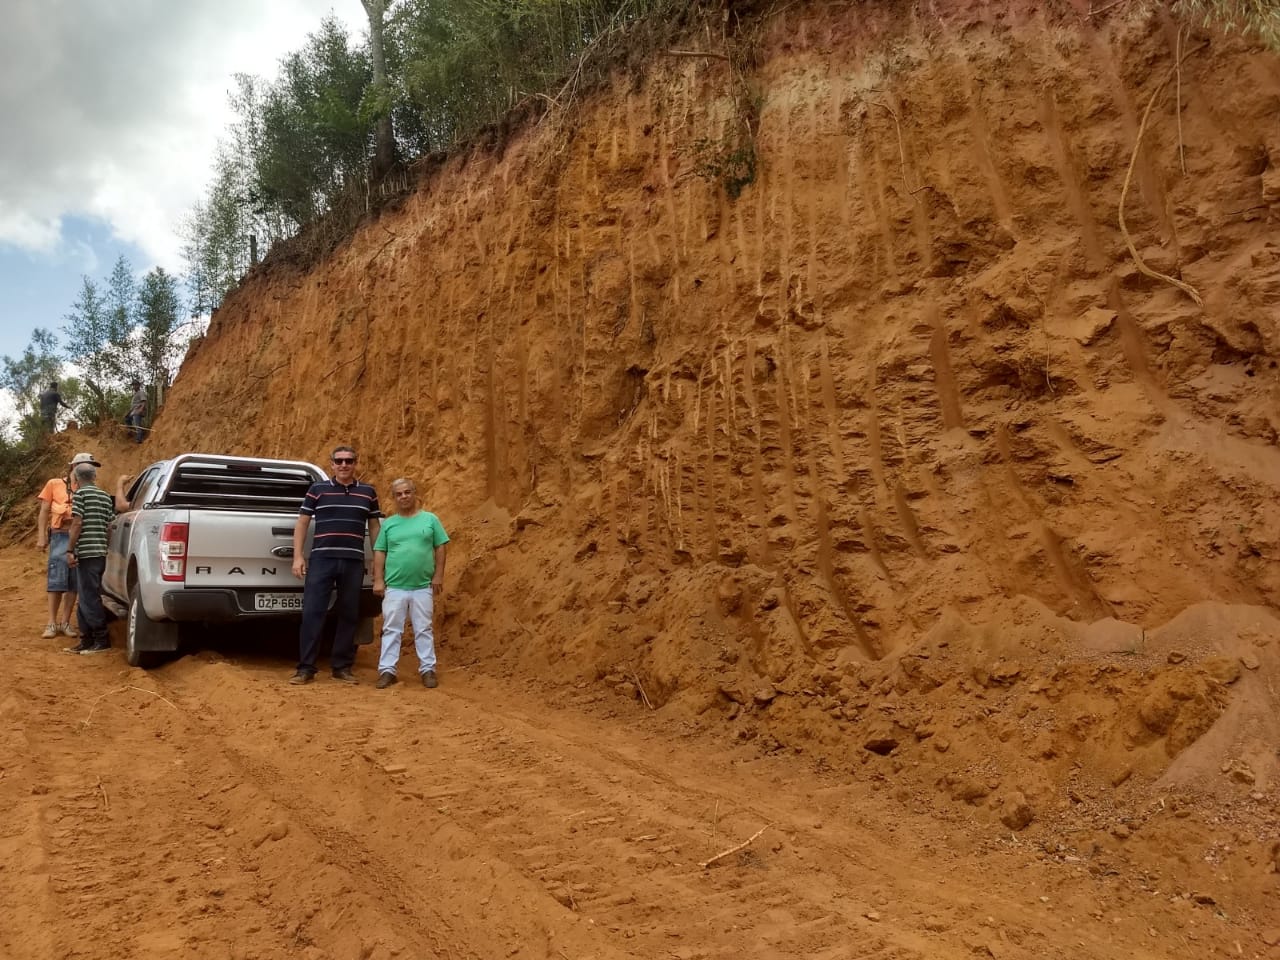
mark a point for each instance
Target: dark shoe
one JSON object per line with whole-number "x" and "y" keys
{"x": 96, "y": 648}
{"x": 429, "y": 678}
{"x": 346, "y": 676}
{"x": 385, "y": 680}
{"x": 301, "y": 677}
{"x": 80, "y": 647}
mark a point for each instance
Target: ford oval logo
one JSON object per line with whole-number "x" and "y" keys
{"x": 282, "y": 551}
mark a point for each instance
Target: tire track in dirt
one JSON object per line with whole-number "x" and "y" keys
{"x": 340, "y": 879}
{"x": 397, "y": 893}
{"x": 24, "y": 841}
{"x": 145, "y": 834}
{"x": 455, "y": 812}
{"x": 842, "y": 892}
{"x": 499, "y": 807}
{"x": 112, "y": 861}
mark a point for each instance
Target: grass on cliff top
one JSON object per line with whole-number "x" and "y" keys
{"x": 1259, "y": 18}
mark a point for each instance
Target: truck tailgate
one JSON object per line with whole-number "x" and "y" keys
{"x": 235, "y": 550}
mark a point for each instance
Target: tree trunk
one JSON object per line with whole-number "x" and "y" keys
{"x": 385, "y": 144}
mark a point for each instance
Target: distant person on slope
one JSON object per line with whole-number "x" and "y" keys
{"x": 408, "y": 570}
{"x": 137, "y": 411}
{"x": 53, "y": 531}
{"x": 50, "y": 400}
{"x": 343, "y": 508}
{"x": 92, "y": 508}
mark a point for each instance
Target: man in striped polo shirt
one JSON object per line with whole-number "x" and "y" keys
{"x": 92, "y": 508}
{"x": 343, "y": 509}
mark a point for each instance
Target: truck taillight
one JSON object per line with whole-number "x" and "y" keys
{"x": 173, "y": 551}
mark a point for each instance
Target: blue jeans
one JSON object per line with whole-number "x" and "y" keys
{"x": 61, "y": 578}
{"x": 91, "y": 615}
{"x": 135, "y": 420}
{"x": 325, "y": 574}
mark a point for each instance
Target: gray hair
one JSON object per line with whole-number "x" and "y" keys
{"x": 413, "y": 487}
{"x": 85, "y": 473}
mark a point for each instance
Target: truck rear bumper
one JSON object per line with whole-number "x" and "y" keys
{"x": 228, "y": 605}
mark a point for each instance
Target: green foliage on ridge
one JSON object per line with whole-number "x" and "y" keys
{"x": 303, "y": 142}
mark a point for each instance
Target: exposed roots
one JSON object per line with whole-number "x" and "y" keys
{"x": 1128, "y": 177}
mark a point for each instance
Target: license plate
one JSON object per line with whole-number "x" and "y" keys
{"x": 277, "y": 601}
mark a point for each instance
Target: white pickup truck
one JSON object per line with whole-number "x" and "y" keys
{"x": 209, "y": 539}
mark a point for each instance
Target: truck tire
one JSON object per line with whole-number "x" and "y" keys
{"x": 143, "y": 632}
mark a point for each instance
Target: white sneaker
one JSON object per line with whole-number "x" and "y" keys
{"x": 68, "y": 630}
{"x": 50, "y": 631}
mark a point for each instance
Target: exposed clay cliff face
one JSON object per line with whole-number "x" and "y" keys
{"x": 899, "y": 446}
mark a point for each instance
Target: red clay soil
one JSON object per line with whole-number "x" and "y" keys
{"x": 890, "y": 505}
{"x": 207, "y": 809}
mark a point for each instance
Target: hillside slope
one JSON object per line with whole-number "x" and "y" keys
{"x": 898, "y": 458}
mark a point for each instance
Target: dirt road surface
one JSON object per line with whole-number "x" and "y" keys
{"x": 208, "y": 810}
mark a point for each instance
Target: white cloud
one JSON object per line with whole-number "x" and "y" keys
{"x": 29, "y": 232}
{"x": 113, "y": 110}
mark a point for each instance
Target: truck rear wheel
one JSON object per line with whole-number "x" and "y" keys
{"x": 142, "y": 633}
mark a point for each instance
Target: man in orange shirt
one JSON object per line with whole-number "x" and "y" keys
{"x": 53, "y": 532}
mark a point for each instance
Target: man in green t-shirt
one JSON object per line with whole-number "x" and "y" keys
{"x": 408, "y": 569}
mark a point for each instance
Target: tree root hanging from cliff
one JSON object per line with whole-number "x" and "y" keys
{"x": 1177, "y": 60}
{"x": 1128, "y": 177}
{"x": 902, "y": 153}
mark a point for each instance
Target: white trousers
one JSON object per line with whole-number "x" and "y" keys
{"x": 416, "y": 606}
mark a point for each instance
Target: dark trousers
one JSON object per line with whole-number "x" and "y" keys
{"x": 135, "y": 420}
{"x": 91, "y": 615}
{"x": 325, "y": 574}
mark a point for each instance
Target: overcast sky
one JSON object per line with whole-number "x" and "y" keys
{"x": 109, "y": 114}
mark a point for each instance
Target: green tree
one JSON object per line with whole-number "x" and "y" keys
{"x": 246, "y": 147}
{"x": 158, "y": 307}
{"x": 122, "y": 319}
{"x": 87, "y": 344}
{"x": 316, "y": 138}
{"x": 227, "y": 236}
{"x": 193, "y": 231}
{"x": 216, "y": 236}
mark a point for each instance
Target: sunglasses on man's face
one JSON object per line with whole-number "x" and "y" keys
{"x": 344, "y": 461}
